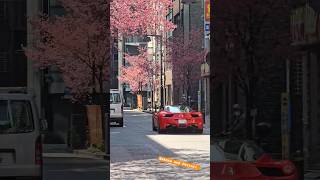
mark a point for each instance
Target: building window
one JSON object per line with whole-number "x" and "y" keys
{"x": 3, "y": 62}
{"x": 176, "y": 19}
{"x": 3, "y": 10}
{"x": 56, "y": 8}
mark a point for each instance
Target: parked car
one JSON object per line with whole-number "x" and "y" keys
{"x": 20, "y": 137}
{"x": 177, "y": 117}
{"x": 234, "y": 159}
{"x": 116, "y": 108}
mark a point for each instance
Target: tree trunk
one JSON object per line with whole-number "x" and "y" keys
{"x": 104, "y": 106}
{"x": 250, "y": 93}
{"x": 249, "y": 107}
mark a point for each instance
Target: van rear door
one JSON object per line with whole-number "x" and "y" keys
{"x": 18, "y": 134}
{"x": 115, "y": 104}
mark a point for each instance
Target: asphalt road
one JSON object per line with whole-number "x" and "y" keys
{"x": 75, "y": 169}
{"x": 135, "y": 149}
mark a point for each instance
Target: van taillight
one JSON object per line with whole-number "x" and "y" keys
{"x": 121, "y": 107}
{"x": 38, "y": 151}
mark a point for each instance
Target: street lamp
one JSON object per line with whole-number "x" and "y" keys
{"x": 161, "y": 68}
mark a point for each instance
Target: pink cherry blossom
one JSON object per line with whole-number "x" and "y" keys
{"x": 186, "y": 57}
{"x": 140, "y": 70}
{"x": 78, "y": 43}
{"x": 136, "y": 17}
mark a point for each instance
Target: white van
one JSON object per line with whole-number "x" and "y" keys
{"x": 20, "y": 139}
{"x": 116, "y": 107}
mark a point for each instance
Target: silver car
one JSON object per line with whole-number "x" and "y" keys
{"x": 20, "y": 139}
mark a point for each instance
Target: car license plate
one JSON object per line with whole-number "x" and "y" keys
{"x": 182, "y": 121}
{"x": 6, "y": 158}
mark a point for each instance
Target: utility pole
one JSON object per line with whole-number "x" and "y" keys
{"x": 161, "y": 74}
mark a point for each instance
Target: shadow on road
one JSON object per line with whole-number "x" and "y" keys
{"x": 135, "y": 150}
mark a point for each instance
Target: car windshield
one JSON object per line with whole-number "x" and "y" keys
{"x": 178, "y": 109}
{"x": 216, "y": 153}
{"x": 115, "y": 98}
{"x": 251, "y": 152}
{"x": 15, "y": 117}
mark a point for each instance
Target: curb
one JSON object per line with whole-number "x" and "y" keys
{"x": 90, "y": 154}
{"x": 149, "y": 112}
{"x": 73, "y": 155}
{"x": 64, "y": 155}
{"x": 56, "y": 148}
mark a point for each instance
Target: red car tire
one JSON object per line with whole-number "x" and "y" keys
{"x": 199, "y": 131}
{"x": 153, "y": 127}
{"x": 160, "y": 131}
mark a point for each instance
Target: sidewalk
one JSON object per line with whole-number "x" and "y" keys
{"x": 62, "y": 151}
{"x": 312, "y": 175}
{"x": 207, "y": 124}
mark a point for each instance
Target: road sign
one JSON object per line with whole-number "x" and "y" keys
{"x": 207, "y": 29}
{"x": 206, "y": 19}
{"x": 207, "y": 10}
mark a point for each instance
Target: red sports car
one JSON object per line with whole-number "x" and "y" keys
{"x": 243, "y": 160}
{"x": 177, "y": 117}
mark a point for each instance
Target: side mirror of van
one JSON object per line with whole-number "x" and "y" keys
{"x": 43, "y": 124}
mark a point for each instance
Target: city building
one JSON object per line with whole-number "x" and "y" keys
{"x": 204, "y": 90}
{"x": 13, "y": 34}
{"x": 229, "y": 86}
{"x": 305, "y": 80}
{"x": 186, "y": 15}
{"x": 15, "y": 69}
{"x": 47, "y": 85}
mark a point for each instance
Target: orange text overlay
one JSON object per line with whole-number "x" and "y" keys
{"x": 179, "y": 163}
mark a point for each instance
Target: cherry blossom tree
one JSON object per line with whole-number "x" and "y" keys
{"x": 186, "y": 56}
{"x": 140, "y": 71}
{"x": 251, "y": 38}
{"x": 76, "y": 43}
{"x": 139, "y": 17}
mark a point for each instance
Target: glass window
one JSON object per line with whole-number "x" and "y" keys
{"x": 179, "y": 109}
{"x": 4, "y": 115}
{"x": 15, "y": 117}
{"x": 252, "y": 152}
{"x": 232, "y": 147}
{"x": 217, "y": 154}
{"x": 115, "y": 98}
{"x": 4, "y": 62}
